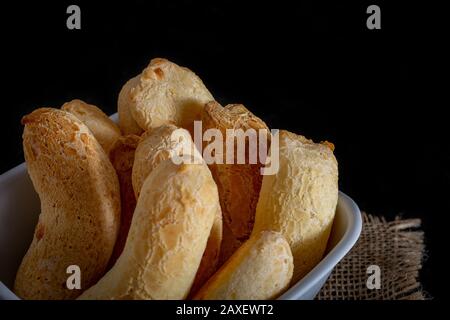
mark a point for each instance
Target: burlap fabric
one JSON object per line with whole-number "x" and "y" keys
{"x": 396, "y": 247}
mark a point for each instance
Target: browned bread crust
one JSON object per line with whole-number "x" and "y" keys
{"x": 80, "y": 205}
{"x": 104, "y": 129}
{"x": 168, "y": 235}
{"x": 238, "y": 184}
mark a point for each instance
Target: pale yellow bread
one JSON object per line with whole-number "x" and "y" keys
{"x": 300, "y": 199}
{"x": 165, "y": 93}
{"x": 168, "y": 235}
{"x": 159, "y": 145}
{"x": 80, "y": 205}
{"x": 104, "y": 129}
{"x": 127, "y": 123}
{"x": 260, "y": 269}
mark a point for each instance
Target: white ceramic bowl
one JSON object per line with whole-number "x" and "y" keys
{"x": 20, "y": 208}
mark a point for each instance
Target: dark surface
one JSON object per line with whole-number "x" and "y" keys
{"x": 312, "y": 69}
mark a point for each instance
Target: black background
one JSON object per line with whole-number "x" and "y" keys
{"x": 312, "y": 68}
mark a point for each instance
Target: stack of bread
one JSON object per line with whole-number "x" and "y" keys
{"x": 140, "y": 225}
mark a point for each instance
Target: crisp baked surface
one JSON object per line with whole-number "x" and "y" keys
{"x": 260, "y": 269}
{"x": 80, "y": 205}
{"x": 238, "y": 184}
{"x": 127, "y": 123}
{"x": 104, "y": 129}
{"x": 161, "y": 144}
{"x": 165, "y": 93}
{"x": 168, "y": 235}
{"x": 157, "y": 145}
{"x": 300, "y": 199}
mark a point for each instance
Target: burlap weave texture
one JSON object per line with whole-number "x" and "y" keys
{"x": 397, "y": 247}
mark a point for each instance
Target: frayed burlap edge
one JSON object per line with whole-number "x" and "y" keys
{"x": 397, "y": 247}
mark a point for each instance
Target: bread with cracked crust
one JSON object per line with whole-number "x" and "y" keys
{"x": 164, "y": 93}
{"x": 104, "y": 129}
{"x": 161, "y": 144}
{"x": 260, "y": 269}
{"x": 127, "y": 123}
{"x": 80, "y": 205}
{"x": 157, "y": 145}
{"x": 238, "y": 184}
{"x": 168, "y": 235}
{"x": 300, "y": 200}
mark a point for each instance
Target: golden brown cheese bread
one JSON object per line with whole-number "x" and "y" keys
{"x": 238, "y": 184}
{"x": 164, "y": 93}
{"x": 158, "y": 145}
{"x": 104, "y": 129}
{"x": 127, "y": 123}
{"x": 300, "y": 199}
{"x": 122, "y": 159}
{"x": 260, "y": 269}
{"x": 80, "y": 205}
{"x": 168, "y": 235}
{"x": 161, "y": 144}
